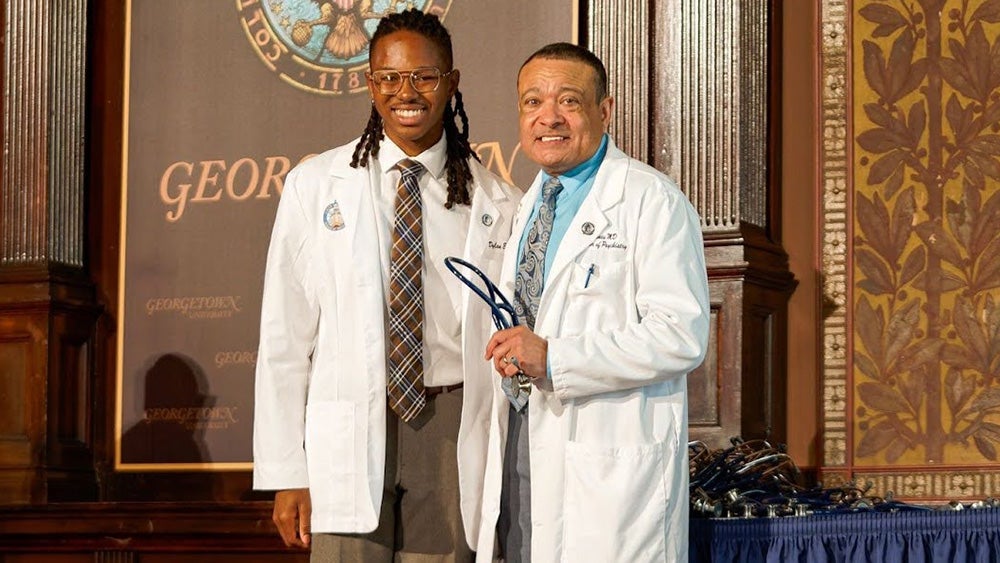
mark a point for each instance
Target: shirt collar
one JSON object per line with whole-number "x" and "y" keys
{"x": 433, "y": 158}
{"x": 581, "y": 173}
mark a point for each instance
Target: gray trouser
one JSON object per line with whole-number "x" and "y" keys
{"x": 514, "y": 525}
{"x": 421, "y": 520}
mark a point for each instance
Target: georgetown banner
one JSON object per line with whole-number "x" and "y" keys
{"x": 222, "y": 99}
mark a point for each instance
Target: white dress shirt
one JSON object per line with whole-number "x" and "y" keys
{"x": 444, "y": 235}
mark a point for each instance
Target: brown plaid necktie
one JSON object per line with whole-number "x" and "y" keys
{"x": 405, "y": 385}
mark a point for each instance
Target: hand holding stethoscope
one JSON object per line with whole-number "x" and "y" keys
{"x": 518, "y": 350}
{"x": 511, "y": 337}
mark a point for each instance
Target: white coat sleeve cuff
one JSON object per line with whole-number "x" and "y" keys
{"x": 559, "y": 367}
{"x": 279, "y": 476}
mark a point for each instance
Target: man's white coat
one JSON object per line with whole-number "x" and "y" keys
{"x": 625, "y": 310}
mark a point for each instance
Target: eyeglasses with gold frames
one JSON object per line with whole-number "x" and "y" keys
{"x": 423, "y": 80}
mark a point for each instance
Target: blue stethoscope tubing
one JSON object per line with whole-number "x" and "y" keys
{"x": 504, "y": 316}
{"x": 503, "y": 313}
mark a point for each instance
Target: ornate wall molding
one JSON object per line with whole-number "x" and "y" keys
{"x": 834, "y": 174}
{"x": 43, "y": 131}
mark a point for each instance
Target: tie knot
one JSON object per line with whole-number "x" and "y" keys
{"x": 551, "y": 188}
{"x": 409, "y": 168}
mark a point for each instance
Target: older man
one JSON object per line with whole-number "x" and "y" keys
{"x": 587, "y": 458}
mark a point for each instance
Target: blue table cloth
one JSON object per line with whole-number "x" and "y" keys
{"x": 932, "y": 536}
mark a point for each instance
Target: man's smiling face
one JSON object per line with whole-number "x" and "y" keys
{"x": 561, "y": 119}
{"x": 413, "y": 120}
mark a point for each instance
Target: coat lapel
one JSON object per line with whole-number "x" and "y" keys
{"x": 521, "y": 216}
{"x": 488, "y": 223}
{"x": 591, "y": 220}
{"x": 353, "y": 189}
{"x": 350, "y": 186}
{"x": 485, "y": 222}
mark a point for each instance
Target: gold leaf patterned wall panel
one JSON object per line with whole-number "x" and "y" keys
{"x": 920, "y": 408}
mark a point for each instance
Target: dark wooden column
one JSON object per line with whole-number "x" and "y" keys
{"x": 47, "y": 305}
{"x": 695, "y": 84}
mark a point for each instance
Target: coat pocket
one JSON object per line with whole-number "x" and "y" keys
{"x": 616, "y": 502}
{"x": 331, "y": 456}
{"x": 595, "y": 297}
{"x": 597, "y": 278}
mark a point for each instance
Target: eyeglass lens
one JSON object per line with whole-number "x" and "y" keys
{"x": 422, "y": 80}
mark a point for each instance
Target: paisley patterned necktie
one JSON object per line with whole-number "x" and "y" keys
{"x": 531, "y": 274}
{"x": 405, "y": 385}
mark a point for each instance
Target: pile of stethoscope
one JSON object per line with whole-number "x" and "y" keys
{"x": 754, "y": 479}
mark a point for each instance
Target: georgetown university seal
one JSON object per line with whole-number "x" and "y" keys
{"x": 320, "y": 46}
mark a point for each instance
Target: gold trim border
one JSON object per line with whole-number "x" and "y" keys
{"x": 120, "y": 337}
{"x": 122, "y": 229}
{"x": 834, "y": 173}
{"x": 933, "y": 486}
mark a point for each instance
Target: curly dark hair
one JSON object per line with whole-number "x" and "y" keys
{"x": 458, "y": 149}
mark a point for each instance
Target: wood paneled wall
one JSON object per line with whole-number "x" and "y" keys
{"x": 46, "y": 296}
{"x": 142, "y": 533}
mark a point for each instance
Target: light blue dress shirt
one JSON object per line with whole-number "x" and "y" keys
{"x": 577, "y": 183}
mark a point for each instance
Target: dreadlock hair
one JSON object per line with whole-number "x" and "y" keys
{"x": 458, "y": 150}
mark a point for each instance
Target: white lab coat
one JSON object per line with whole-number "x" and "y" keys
{"x": 608, "y": 433}
{"x": 321, "y": 369}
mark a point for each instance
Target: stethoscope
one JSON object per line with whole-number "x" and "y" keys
{"x": 503, "y": 313}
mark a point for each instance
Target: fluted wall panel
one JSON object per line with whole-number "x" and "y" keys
{"x": 66, "y": 129}
{"x": 115, "y": 557}
{"x": 620, "y": 36}
{"x": 43, "y": 122}
{"x": 752, "y": 121}
{"x": 710, "y": 103}
{"x": 24, "y": 190}
{"x": 708, "y": 93}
